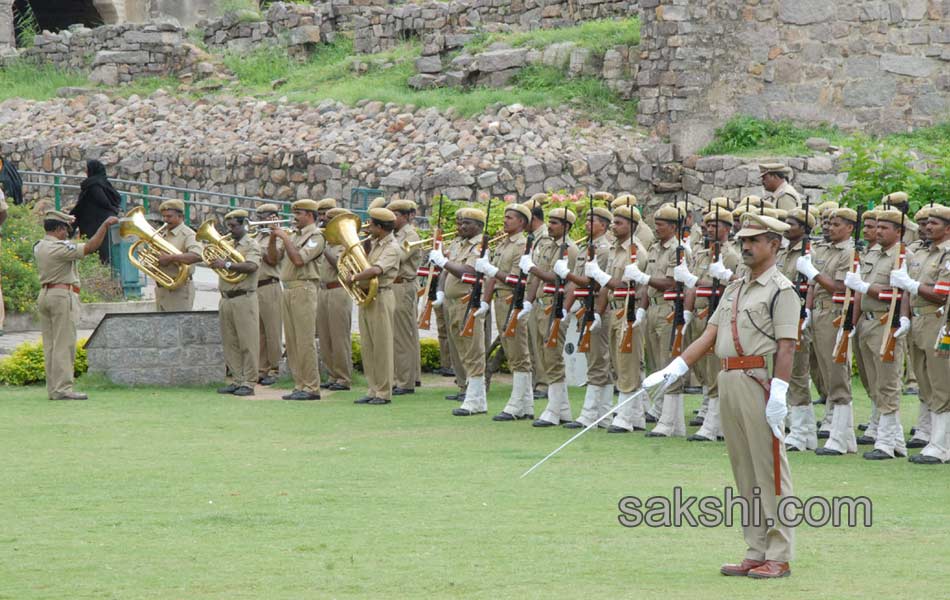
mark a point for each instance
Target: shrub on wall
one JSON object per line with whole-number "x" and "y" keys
{"x": 26, "y": 365}
{"x": 428, "y": 348}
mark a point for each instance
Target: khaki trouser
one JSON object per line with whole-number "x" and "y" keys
{"x": 406, "y": 351}
{"x": 799, "y": 391}
{"x": 538, "y": 377}
{"x": 550, "y": 360}
{"x": 884, "y": 378}
{"x": 657, "y": 339}
{"x": 240, "y": 337}
{"x": 598, "y": 357}
{"x": 814, "y": 372}
{"x": 376, "y": 344}
{"x": 445, "y": 353}
{"x": 707, "y": 367}
{"x": 334, "y": 328}
{"x": 516, "y": 348}
{"x": 182, "y": 299}
{"x": 299, "y": 313}
{"x": 59, "y": 313}
{"x": 933, "y": 370}
{"x": 836, "y": 376}
{"x": 269, "y": 331}
{"x": 626, "y": 365}
{"x": 470, "y": 351}
{"x": 749, "y": 443}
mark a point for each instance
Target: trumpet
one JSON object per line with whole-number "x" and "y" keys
{"x": 255, "y": 227}
{"x": 425, "y": 244}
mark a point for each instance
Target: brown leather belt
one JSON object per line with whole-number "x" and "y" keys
{"x": 399, "y": 280}
{"x": 331, "y": 286}
{"x": 236, "y": 293}
{"x": 61, "y": 286}
{"x": 267, "y": 281}
{"x": 739, "y": 363}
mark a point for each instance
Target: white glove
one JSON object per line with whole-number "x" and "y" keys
{"x": 688, "y": 251}
{"x": 596, "y": 324}
{"x": 525, "y": 263}
{"x": 785, "y": 243}
{"x": 687, "y": 317}
{"x": 566, "y": 315}
{"x": 482, "y": 309}
{"x": 633, "y": 273}
{"x": 641, "y": 314}
{"x": 807, "y": 319}
{"x": 681, "y": 274}
{"x": 439, "y": 298}
{"x": 900, "y": 279}
{"x": 484, "y": 266}
{"x": 903, "y": 329}
{"x": 804, "y": 266}
{"x": 437, "y": 258}
{"x": 593, "y": 270}
{"x": 561, "y": 269}
{"x": 776, "y": 409}
{"x": 525, "y": 309}
{"x": 719, "y": 271}
{"x": 854, "y": 281}
{"x": 673, "y": 371}
{"x": 838, "y": 336}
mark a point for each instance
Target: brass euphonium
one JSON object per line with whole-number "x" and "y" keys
{"x": 219, "y": 246}
{"x": 344, "y": 230}
{"x": 145, "y": 252}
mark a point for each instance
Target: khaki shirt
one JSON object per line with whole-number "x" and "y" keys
{"x": 696, "y": 238}
{"x": 785, "y": 197}
{"x": 768, "y": 312}
{"x": 183, "y": 239}
{"x": 546, "y": 252}
{"x": 834, "y": 262}
{"x": 58, "y": 260}
{"x": 310, "y": 244}
{"x": 252, "y": 253}
{"x": 408, "y": 263}
{"x": 699, "y": 265}
{"x": 386, "y": 255}
{"x": 465, "y": 252}
{"x": 267, "y": 271}
{"x": 661, "y": 259}
{"x": 328, "y": 273}
{"x": 508, "y": 251}
{"x": 645, "y": 234}
{"x": 602, "y": 251}
{"x": 876, "y": 268}
{"x": 929, "y": 266}
{"x": 620, "y": 258}
{"x": 785, "y": 261}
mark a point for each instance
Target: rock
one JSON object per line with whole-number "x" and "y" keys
{"x": 500, "y": 60}
{"x": 68, "y": 92}
{"x": 429, "y": 64}
{"x": 306, "y": 34}
{"x": 425, "y": 82}
{"x": 817, "y": 144}
{"x": 397, "y": 179}
{"x": 487, "y": 179}
{"x": 805, "y": 12}
{"x": 449, "y": 151}
{"x": 105, "y": 74}
{"x": 912, "y": 66}
{"x": 533, "y": 170}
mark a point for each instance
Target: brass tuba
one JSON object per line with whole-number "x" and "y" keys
{"x": 344, "y": 230}
{"x": 219, "y": 246}
{"x": 144, "y": 252}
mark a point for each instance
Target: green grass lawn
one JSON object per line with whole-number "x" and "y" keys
{"x": 182, "y": 493}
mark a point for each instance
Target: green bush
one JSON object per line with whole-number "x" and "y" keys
{"x": 428, "y": 348}
{"x": 742, "y": 134}
{"x": 27, "y": 365}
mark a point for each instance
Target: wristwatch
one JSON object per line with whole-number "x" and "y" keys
{"x": 227, "y": 265}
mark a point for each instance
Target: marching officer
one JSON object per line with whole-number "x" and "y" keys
{"x": 181, "y": 237}
{"x": 57, "y": 263}
{"x": 334, "y": 312}
{"x": 268, "y": 303}
{"x": 775, "y": 180}
{"x": 921, "y": 430}
{"x": 406, "y": 349}
{"x": 503, "y": 273}
{"x": 376, "y": 317}
{"x": 756, "y": 320}
{"x": 643, "y": 231}
{"x": 298, "y": 254}
{"x": 539, "y": 229}
{"x": 238, "y": 310}
{"x": 867, "y": 255}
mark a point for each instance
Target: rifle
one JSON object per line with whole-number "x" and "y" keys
{"x": 429, "y": 290}
{"x": 893, "y": 315}
{"x": 679, "y": 319}
{"x": 801, "y": 280}
{"x": 626, "y": 342}
{"x": 715, "y": 293}
{"x": 554, "y": 328}
{"x": 517, "y": 297}
{"x": 845, "y": 322}
{"x": 475, "y": 298}
{"x": 584, "y": 344}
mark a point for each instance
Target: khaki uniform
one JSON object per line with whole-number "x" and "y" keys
{"x": 505, "y": 256}
{"x": 884, "y": 378}
{"x": 861, "y": 358}
{"x": 538, "y": 376}
{"x": 768, "y": 311}
{"x": 299, "y": 307}
{"x": 644, "y": 234}
{"x": 627, "y": 365}
{"x": 334, "y": 323}
{"x": 268, "y": 309}
{"x": 468, "y": 353}
{"x": 661, "y": 259}
{"x": 918, "y": 249}
{"x": 57, "y": 262}
{"x": 182, "y": 299}
{"x": 599, "y": 394}
{"x": 408, "y": 361}
{"x": 376, "y": 320}
{"x": 785, "y": 197}
{"x": 239, "y": 315}
{"x": 3, "y": 208}
{"x": 933, "y": 372}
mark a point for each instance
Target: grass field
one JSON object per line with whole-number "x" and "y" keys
{"x": 182, "y": 493}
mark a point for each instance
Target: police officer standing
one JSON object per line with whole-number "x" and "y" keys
{"x": 57, "y": 262}
{"x": 181, "y": 237}
{"x": 334, "y": 311}
{"x": 779, "y": 192}
{"x": 406, "y": 349}
{"x": 268, "y": 303}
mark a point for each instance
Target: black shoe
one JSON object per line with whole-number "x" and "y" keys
{"x": 574, "y": 425}
{"x": 923, "y": 459}
{"x": 447, "y": 373}
{"x": 398, "y": 391}
{"x": 866, "y": 441}
{"x": 912, "y": 391}
{"x": 864, "y": 427}
{"x": 503, "y": 416}
{"x": 917, "y": 443}
{"x": 301, "y": 395}
{"x": 824, "y": 435}
{"x": 650, "y": 418}
{"x": 526, "y": 417}
{"x": 243, "y": 391}
{"x": 656, "y": 434}
{"x": 696, "y": 422}
{"x": 877, "y": 454}
{"x": 460, "y": 396}
{"x": 542, "y": 423}
{"x": 913, "y": 430}
{"x": 617, "y": 429}
{"x": 464, "y": 412}
{"x": 698, "y": 438}
{"x": 338, "y": 387}
{"x": 267, "y": 380}
{"x": 324, "y": 386}
{"x": 288, "y": 396}
{"x": 692, "y": 389}
{"x": 378, "y": 401}
{"x": 363, "y": 400}
{"x": 820, "y": 400}
{"x": 228, "y": 389}
{"x": 418, "y": 383}
{"x": 791, "y": 448}
{"x": 539, "y": 394}
{"x": 825, "y": 451}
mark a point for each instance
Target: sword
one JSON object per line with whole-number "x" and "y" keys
{"x": 657, "y": 391}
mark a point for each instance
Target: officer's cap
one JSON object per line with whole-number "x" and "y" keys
{"x": 755, "y": 224}
{"x": 267, "y": 208}
{"x": 472, "y": 214}
{"x": 563, "y": 214}
{"x": 55, "y": 215}
{"x": 630, "y": 213}
{"x": 521, "y": 209}
{"x": 238, "y": 213}
{"x": 721, "y": 215}
{"x": 383, "y": 215}
{"x": 305, "y": 204}
{"x": 799, "y": 215}
{"x": 172, "y": 205}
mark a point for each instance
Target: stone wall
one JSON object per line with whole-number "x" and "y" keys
{"x": 297, "y": 26}
{"x": 865, "y": 65}
{"x": 181, "y": 348}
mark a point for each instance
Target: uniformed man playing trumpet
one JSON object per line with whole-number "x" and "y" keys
{"x": 181, "y": 237}
{"x": 268, "y": 303}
